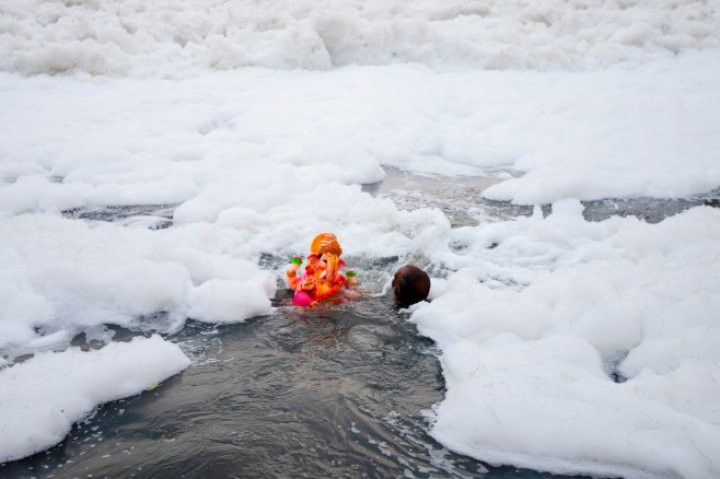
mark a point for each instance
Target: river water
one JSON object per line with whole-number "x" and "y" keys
{"x": 336, "y": 391}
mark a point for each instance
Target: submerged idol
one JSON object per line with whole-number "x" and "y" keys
{"x": 322, "y": 278}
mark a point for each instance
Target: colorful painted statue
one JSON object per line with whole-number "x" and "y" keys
{"x": 322, "y": 278}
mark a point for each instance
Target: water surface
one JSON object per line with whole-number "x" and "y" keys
{"x": 335, "y": 391}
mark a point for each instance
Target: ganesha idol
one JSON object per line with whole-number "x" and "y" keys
{"x": 322, "y": 278}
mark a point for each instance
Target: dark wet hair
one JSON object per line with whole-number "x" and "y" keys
{"x": 410, "y": 285}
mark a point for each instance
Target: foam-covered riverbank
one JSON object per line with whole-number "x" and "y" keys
{"x": 174, "y": 37}
{"x": 212, "y": 140}
{"x": 614, "y": 334}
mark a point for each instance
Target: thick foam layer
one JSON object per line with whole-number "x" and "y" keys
{"x": 43, "y": 396}
{"x": 63, "y": 276}
{"x": 615, "y": 334}
{"x": 173, "y": 36}
{"x": 255, "y": 138}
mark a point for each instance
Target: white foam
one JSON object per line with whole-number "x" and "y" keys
{"x": 43, "y": 396}
{"x": 216, "y": 138}
{"x": 561, "y": 101}
{"x": 61, "y": 276}
{"x": 529, "y": 371}
{"x": 171, "y": 36}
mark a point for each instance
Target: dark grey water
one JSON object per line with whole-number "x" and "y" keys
{"x": 336, "y": 391}
{"x": 462, "y": 202}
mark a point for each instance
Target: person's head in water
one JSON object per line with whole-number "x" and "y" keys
{"x": 410, "y": 285}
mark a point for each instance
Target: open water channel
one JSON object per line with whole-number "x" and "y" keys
{"x": 334, "y": 391}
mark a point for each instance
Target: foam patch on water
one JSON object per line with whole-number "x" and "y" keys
{"x": 43, "y": 396}
{"x": 166, "y": 37}
{"x": 60, "y": 276}
{"x": 530, "y": 370}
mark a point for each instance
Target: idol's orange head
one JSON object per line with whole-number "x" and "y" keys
{"x": 326, "y": 243}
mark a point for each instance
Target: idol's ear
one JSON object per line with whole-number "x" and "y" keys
{"x": 341, "y": 263}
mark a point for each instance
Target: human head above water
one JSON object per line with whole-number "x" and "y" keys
{"x": 410, "y": 285}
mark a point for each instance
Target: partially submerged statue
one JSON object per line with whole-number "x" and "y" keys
{"x": 322, "y": 278}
